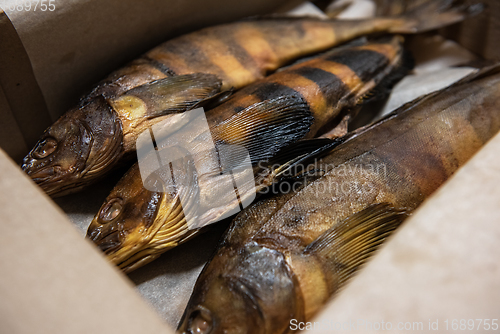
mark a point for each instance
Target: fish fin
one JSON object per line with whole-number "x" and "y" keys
{"x": 349, "y": 244}
{"x": 213, "y": 101}
{"x": 334, "y": 9}
{"x": 398, "y": 112}
{"x": 476, "y": 63}
{"x": 291, "y": 161}
{"x": 342, "y": 128}
{"x": 434, "y": 14}
{"x": 175, "y": 94}
{"x": 384, "y": 87}
{"x": 265, "y": 127}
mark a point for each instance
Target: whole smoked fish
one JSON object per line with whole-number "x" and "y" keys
{"x": 92, "y": 137}
{"x": 135, "y": 225}
{"x": 283, "y": 258}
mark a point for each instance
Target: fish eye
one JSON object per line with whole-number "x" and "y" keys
{"x": 200, "y": 322}
{"x": 111, "y": 210}
{"x": 45, "y": 148}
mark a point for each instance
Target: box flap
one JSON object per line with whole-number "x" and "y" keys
{"x": 54, "y": 281}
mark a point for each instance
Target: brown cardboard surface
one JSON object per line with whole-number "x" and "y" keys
{"x": 52, "y": 280}
{"x": 23, "y": 112}
{"x": 441, "y": 265}
{"x": 480, "y": 33}
{"x": 11, "y": 137}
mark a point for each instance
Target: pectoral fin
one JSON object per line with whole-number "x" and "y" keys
{"x": 348, "y": 245}
{"x": 266, "y": 127}
{"x": 341, "y": 129}
{"x": 289, "y": 163}
{"x": 337, "y": 8}
{"x": 171, "y": 95}
{"x": 214, "y": 100}
{"x": 405, "y": 64}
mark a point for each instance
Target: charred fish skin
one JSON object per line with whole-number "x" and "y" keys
{"x": 265, "y": 118}
{"x": 235, "y": 54}
{"x": 321, "y": 230}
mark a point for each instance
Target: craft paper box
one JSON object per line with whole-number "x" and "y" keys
{"x": 53, "y": 281}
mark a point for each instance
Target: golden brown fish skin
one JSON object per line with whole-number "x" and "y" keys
{"x": 416, "y": 149}
{"x": 326, "y": 84}
{"x": 236, "y": 54}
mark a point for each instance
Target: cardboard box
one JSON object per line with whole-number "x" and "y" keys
{"x": 442, "y": 265}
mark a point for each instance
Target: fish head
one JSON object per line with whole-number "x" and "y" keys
{"x": 242, "y": 290}
{"x": 223, "y": 308}
{"x": 137, "y": 223}
{"x": 58, "y": 158}
{"x": 147, "y": 214}
{"x": 78, "y": 145}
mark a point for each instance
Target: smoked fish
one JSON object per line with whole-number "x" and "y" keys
{"x": 282, "y": 258}
{"x": 192, "y": 70}
{"x": 135, "y": 225}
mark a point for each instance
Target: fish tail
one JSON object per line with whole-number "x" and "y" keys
{"x": 434, "y": 14}
{"x": 345, "y": 247}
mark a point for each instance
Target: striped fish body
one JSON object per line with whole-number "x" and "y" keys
{"x": 265, "y": 118}
{"x": 242, "y": 52}
{"x": 238, "y": 53}
{"x": 283, "y": 258}
{"x": 328, "y": 83}
{"x": 77, "y": 150}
